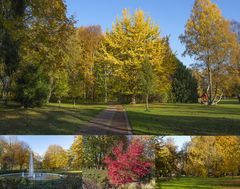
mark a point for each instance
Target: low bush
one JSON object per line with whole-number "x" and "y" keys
{"x": 24, "y": 183}
{"x": 2, "y": 172}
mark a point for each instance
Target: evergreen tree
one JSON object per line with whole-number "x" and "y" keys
{"x": 184, "y": 85}
{"x": 32, "y": 86}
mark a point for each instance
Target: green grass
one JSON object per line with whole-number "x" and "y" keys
{"x": 201, "y": 183}
{"x": 50, "y": 119}
{"x": 186, "y": 119}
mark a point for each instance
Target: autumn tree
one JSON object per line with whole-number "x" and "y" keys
{"x": 12, "y": 27}
{"x": 127, "y": 166}
{"x": 97, "y": 147}
{"x": 47, "y": 39}
{"x": 147, "y": 79}
{"x": 235, "y": 69}
{"x": 209, "y": 39}
{"x": 217, "y": 156}
{"x": 166, "y": 158}
{"x": 14, "y": 154}
{"x": 76, "y": 152}
{"x": 60, "y": 88}
{"x": 132, "y": 38}
{"x": 84, "y": 45}
{"x": 3, "y": 144}
{"x": 55, "y": 158}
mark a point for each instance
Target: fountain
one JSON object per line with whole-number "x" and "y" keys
{"x": 31, "y": 175}
{"x": 31, "y": 167}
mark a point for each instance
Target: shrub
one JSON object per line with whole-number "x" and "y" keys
{"x": 24, "y": 183}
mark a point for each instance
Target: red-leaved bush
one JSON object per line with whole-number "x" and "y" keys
{"x": 126, "y": 166}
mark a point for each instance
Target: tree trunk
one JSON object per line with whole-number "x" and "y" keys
{"x": 59, "y": 102}
{"x": 50, "y": 91}
{"x": 238, "y": 98}
{"x": 74, "y": 102}
{"x": 210, "y": 87}
{"x": 5, "y": 90}
{"x": 133, "y": 99}
{"x": 84, "y": 91}
{"x": 105, "y": 89}
{"x": 220, "y": 98}
{"x": 147, "y": 106}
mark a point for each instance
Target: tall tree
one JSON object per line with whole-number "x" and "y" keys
{"x": 97, "y": 147}
{"x": 235, "y": 70}
{"x": 147, "y": 79}
{"x": 213, "y": 156}
{"x": 47, "y": 39}
{"x": 83, "y": 48}
{"x": 166, "y": 158}
{"x": 14, "y": 154}
{"x": 125, "y": 47}
{"x": 90, "y": 38}
{"x": 208, "y": 38}
{"x": 76, "y": 152}
{"x": 12, "y": 27}
{"x": 55, "y": 158}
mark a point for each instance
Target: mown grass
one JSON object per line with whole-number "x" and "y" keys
{"x": 51, "y": 119}
{"x": 204, "y": 183}
{"x": 186, "y": 119}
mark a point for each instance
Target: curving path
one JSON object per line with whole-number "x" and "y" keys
{"x": 111, "y": 121}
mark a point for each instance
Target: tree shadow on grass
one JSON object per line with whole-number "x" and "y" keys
{"x": 143, "y": 123}
{"x": 180, "y": 186}
{"x": 46, "y": 120}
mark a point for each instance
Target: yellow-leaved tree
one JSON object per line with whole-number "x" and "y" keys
{"x": 76, "y": 152}
{"x": 209, "y": 39}
{"x": 55, "y": 158}
{"x": 132, "y": 39}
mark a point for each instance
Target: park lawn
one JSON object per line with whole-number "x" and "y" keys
{"x": 49, "y": 119}
{"x": 185, "y": 119}
{"x": 204, "y": 183}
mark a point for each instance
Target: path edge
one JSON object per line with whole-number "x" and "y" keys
{"x": 129, "y": 127}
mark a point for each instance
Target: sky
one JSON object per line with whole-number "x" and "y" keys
{"x": 179, "y": 140}
{"x": 40, "y": 143}
{"x": 171, "y": 15}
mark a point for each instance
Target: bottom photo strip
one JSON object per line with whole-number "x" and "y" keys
{"x": 126, "y": 162}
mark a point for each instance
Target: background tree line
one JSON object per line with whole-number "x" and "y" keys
{"x": 204, "y": 156}
{"x": 44, "y": 57}
{"x": 85, "y": 152}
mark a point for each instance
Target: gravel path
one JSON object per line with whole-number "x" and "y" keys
{"x": 111, "y": 121}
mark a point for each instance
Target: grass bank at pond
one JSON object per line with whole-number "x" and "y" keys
{"x": 186, "y": 119}
{"x": 206, "y": 183}
{"x": 50, "y": 119}
{"x": 23, "y": 183}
